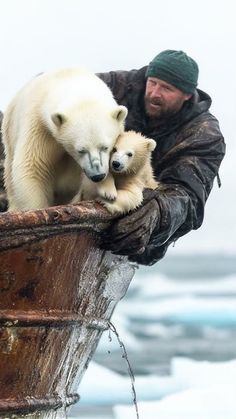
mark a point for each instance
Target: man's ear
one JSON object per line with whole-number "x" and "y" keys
{"x": 187, "y": 96}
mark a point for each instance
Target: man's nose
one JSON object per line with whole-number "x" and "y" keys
{"x": 156, "y": 92}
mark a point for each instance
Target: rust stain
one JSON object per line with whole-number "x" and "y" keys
{"x": 29, "y": 290}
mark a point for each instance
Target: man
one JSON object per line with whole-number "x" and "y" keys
{"x": 164, "y": 104}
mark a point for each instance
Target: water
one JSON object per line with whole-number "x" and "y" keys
{"x": 175, "y": 316}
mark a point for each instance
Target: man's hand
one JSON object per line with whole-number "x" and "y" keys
{"x": 130, "y": 234}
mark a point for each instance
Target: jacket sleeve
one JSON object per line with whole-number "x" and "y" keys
{"x": 185, "y": 184}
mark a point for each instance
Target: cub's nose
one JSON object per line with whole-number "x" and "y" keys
{"x": 115, "y": 165}
{"x": 97, "y": 178}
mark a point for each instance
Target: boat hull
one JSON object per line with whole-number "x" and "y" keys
{"x": 58, "y": 290}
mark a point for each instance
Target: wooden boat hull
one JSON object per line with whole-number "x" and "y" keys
{"x": 58, "y": 290}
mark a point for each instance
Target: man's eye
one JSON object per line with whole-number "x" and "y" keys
{"x": 168, "y": 88}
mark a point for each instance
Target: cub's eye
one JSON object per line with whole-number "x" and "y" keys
{"x": 129, "y": 154}
{"x": 114, "y": 150}
{"x": 104, "y": 148}
{"x": 82, "y": 151}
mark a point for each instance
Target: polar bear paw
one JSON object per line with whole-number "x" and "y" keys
{"x": 108, "y": 194}
{"x": 113, "y": 208}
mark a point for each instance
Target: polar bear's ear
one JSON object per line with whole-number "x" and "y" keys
{"x": 120, "y": 113}
{"x": 58, "y": 119}
{"x": 151, "y": 144}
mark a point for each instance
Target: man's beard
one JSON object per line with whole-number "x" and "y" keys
{"x": 161, "y": 112}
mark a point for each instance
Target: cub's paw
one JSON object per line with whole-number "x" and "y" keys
{"x": 117, "y": 207}
{"x": 108, "y": 195}
{"x": 112, "y": 208}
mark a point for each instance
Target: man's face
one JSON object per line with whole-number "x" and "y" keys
{"x": 162, "y": 99}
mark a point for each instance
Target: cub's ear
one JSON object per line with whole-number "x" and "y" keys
{"x": 120, "y": 113}
{"x": 151, "y": 144}
{"x": 58, "y": 119}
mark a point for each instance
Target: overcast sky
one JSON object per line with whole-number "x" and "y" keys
{"x": 37, "y": 35}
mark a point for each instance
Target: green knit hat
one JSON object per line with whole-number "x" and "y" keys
{"x": 176, "y": 68}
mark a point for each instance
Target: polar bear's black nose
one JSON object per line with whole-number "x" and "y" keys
{"x": 115, "y": 164}
{"x": 97, "y": 178}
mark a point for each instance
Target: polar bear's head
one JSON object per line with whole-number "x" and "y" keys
{"x": 131, "y": 152}
{"x": 88, "y": 133}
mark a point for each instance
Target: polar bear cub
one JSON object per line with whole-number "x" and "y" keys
{"x": 130, "y": 173}
{"x": 60, "y": 124}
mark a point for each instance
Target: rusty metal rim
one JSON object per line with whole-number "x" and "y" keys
{"x": 31, "y": 404}
{"x": 59, "y": 215}
{"x": 15, "y": 318}
{"x": 19, "y": 228}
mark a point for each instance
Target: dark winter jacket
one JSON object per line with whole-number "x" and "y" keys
{"x": 189, "y": 151}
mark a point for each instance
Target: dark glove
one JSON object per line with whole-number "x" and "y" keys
{"x": 130, "y": 234}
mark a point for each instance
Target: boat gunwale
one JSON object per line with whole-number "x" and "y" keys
{"x": 24, "y": 227}
{"x": 89, "y": 211}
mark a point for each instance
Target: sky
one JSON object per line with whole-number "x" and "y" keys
{"x": 39, "y": 35}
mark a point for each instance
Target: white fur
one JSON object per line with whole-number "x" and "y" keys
{"x": 59, "y": 124}
{"x": 122, "y": 189}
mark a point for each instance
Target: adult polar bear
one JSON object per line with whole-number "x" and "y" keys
{"x": 59, "y": 124}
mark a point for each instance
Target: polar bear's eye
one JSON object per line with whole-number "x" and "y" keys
{"x": 130, "y": 154}
{"x": 104, "y": 148}
{"x": 81, "y": 151}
